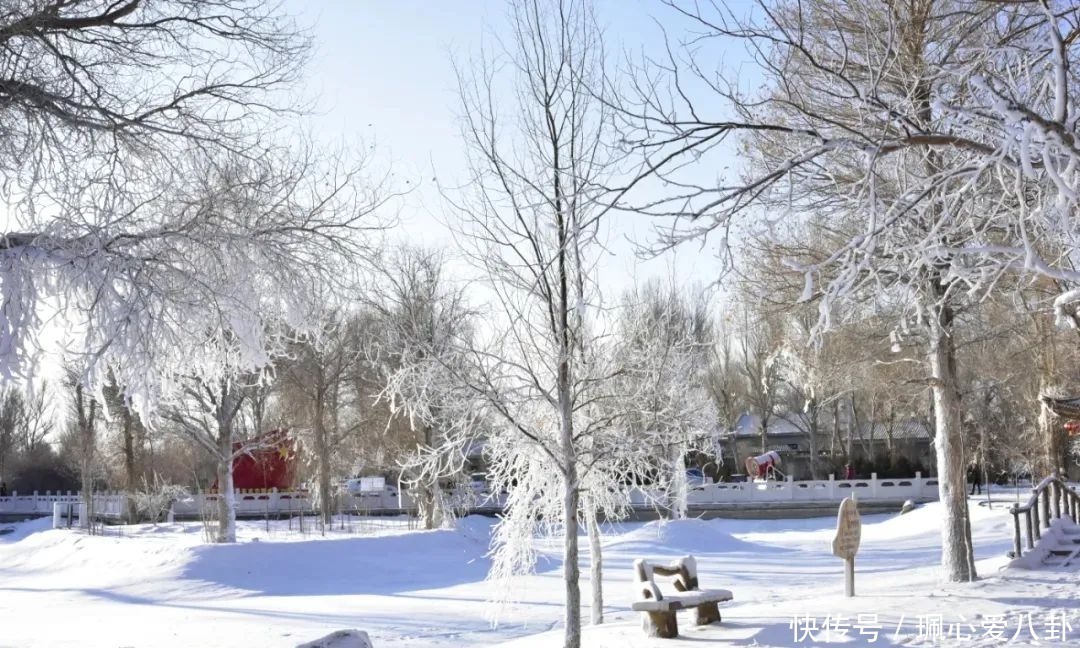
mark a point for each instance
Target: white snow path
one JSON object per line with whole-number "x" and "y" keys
{"x": 163, "y": 587}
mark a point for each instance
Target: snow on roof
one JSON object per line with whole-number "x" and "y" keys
{"x": 1065, "y": 407}
{"x": 749, "y": 425}
{"x": 905, "y": 429}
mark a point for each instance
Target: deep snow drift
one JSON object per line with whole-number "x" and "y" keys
{"x": 163, "y": 587}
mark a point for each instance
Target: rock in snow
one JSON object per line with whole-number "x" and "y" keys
{"x": 341, "y": 639}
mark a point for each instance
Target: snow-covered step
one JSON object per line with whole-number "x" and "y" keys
{"x": 1058, "y": 547}
{"x": 1062, "y": 557}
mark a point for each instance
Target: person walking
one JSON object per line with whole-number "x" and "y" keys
{"x": 975, "y": 478}
{"x": 849, "y": 471}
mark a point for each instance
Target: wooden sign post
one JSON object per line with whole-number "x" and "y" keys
{"x": 846, "y": 543}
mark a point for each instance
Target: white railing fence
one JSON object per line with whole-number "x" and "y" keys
{"x": 112, "y": 505}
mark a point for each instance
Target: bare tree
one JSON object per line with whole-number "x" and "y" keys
{"x": 760, "y": 339}
{"x": 83, "y": 78}
{"x": 206, "y": 413}
{"x": 665, "y": 346}
{"x": 419, "y": 324}
{"x": 132, "y": 433}
{"x": 314, "y": 381}
{"x": 127, "y": 184}
{"x": 529, "y": 217}
{"x": 12, "y": 411}
{"x": 83, "y": 425}
{"x": 858, "y": 122}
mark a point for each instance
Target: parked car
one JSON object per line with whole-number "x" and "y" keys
{"x": 479, "y": 483}
{"x": 367, "y": 486}
{"x": 696, "y": 479}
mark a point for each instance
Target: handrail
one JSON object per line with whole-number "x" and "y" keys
{"x": 1051, "y": 499}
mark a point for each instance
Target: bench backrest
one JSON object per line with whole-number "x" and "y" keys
{"x": 684, "y": 571}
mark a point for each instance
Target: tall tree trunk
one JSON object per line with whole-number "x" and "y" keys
{"x": 813, "y": 438}
{"x": 851, "y": 426}
{"x": 322, "y": 457}
{"x": 127, "y": 424}
{"x": 764, "y": 430}
{"x": 425, "y": 502}
{"x": 957, "y": 555}
{"x": 596, "y": 565}
{"x": 226, "y": 502}
{"x": 1051, "y": 435}
{"x": 85, "y": 412}
{"x": 86, "y": 468}
{"x": 571, "y": 570}
{"x": 834, "y": 438}
{"x": 679, "y": 485}
{"x": 427, "y": 496}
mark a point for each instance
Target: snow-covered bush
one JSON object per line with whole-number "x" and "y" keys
{"x": 154, "y": 500}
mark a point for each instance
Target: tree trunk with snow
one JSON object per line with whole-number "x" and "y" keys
{"x": 957, "y": 556}
{"x": 131, "y": 485}
{"x": 812, "y": 405}
{"x": 565, "y": 390}
{"x": 323, "y": 459}
{"x": 596, "y": 565}
{"x": 1051, "y": 436}
{"x": 84, "y": 412}
{"x": 226, "y": 501}
{"x": 571, "y": 570}
{"x": 678, "y": 482}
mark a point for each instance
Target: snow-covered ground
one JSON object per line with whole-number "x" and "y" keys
{"x": 162, "y": 587}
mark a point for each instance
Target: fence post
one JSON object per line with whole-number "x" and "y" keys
{"x": 1017, "y": 551}
{"x": 1030, "y": 526}
{"x": 1044, "y": 501}
{"x": 873, "y": 485}
{"x": 1056, "y": 496}
{"x": 1035, "y": 515}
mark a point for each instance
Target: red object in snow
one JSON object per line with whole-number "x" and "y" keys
{"x": 760, "y": 465}
{"x": 265, "y": 462}
{"x": 1073, "y": 428}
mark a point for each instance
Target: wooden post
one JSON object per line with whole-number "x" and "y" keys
{"x": 1034, "y": 529}
{"x": 1056, "y": 494}
{"x": 1017, "y": 551}
{"x": 1044, "y": 501}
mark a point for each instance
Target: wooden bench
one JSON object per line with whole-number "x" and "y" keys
{"x": 658, "y": 610}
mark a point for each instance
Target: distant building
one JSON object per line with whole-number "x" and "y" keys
{"x": 900, "y": 443}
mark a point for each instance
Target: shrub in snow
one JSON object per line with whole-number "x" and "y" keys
{"x": 153, "y": 501}
{"x": 341, "y": 639}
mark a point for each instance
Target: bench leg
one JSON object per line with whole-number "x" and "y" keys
{"x": 707, "y": 613}
{"x": 660, "y": 624}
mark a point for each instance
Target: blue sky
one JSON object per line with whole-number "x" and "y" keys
{"x": 383, "y": 74}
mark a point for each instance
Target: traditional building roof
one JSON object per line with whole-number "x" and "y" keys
{"x": 749, "y": 425}
{"x": 1064, "y": 407}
